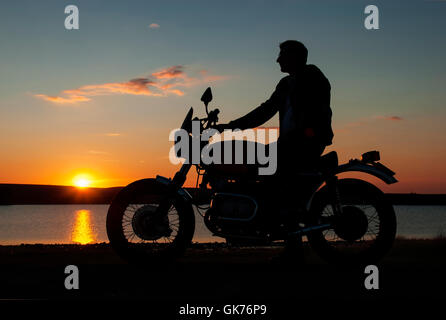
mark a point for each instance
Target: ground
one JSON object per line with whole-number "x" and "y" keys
{"x": 216, "y": 274}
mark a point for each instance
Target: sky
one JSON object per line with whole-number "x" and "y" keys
{"x": 101, "y": 101}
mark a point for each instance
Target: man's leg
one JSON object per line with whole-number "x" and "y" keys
{"x": 295, "y": 193}
{"x": 289, "y": 208}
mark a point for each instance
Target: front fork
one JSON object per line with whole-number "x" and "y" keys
{"x": 172, "y": 188}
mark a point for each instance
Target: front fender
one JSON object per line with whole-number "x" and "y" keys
{"x": 181, "y": 192}
{"x": 158, "y": 184}
{"x": 375, "y": 169}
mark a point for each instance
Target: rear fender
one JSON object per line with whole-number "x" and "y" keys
{"x": 375, "y": 169}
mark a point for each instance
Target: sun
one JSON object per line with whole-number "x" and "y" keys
{"x": 82, "y": 181}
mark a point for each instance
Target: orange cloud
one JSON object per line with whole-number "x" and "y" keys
{"x": 177, "y": 92}
{"x": 165, "y": 82}
{"x": 169, "y": 73}
{"x": 70, "y": 99}
{"x": 137, "y": 86}
{"x": 154, "y": 26}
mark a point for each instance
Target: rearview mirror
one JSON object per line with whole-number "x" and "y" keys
{"x": 207, "y": 96}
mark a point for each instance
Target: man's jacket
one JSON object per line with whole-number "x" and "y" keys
{"x": 303, "y": 103}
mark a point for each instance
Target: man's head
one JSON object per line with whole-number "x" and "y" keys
{"x": 292, "y": 57}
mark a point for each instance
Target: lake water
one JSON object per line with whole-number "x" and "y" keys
{"x": 86, "y": 223}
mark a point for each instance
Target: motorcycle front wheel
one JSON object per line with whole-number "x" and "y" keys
{"x": 362, "y": 233}
{"x": 139, "y": 234}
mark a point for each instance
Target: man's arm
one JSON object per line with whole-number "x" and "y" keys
{"x": 262, "y": 113}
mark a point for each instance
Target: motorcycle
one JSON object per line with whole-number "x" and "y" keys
{"x": 345, "y": 220}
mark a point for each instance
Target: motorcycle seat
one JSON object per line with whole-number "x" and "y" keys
{"x": 325, "y": 165}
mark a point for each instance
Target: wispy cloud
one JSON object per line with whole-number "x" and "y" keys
{"x": 170, "y": 73}
{"x": 161, "y": 83}
{"x": 98, "y": 152}
{"x": 113, "y": 134}
{"x": 391, "y": 118}
{"x": 154, "y": 26}
{"x": 62, "y": 100}
{"x": 367, "y": 121}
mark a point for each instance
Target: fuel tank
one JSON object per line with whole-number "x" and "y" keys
{"x": 239, "y": 159}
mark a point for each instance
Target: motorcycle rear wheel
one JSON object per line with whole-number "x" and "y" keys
{"x": 364, "y": 232}
{"x": 137, "y": 235}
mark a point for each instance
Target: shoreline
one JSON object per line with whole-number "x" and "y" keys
{"x": 220, "y": 243}
{"x": 22, "y": 194}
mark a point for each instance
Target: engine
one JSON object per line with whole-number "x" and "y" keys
{"x": 231, "y": 213}
{"x": 233, "y": 206}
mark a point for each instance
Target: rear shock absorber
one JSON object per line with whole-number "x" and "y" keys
{"x": 335, "y": 195}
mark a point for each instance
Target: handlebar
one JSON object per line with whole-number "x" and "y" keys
{"x": 213, "y": 116}
{"x": 210, "y": 120}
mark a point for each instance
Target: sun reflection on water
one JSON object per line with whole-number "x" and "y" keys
{"x": 82, "y": 232}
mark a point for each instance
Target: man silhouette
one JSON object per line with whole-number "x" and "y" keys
{"x": 303, "y": 101}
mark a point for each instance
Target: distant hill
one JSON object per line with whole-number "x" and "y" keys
{"x": 11, "y": 194}
{"x": 48, "y": 194}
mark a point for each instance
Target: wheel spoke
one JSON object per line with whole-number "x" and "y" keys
{"x": 137, "y": 238}
{"x": 363, "y": 209}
